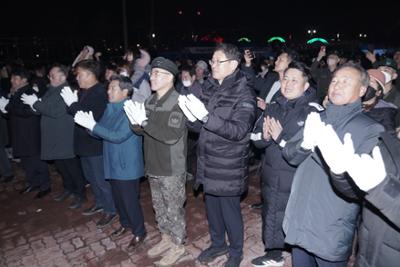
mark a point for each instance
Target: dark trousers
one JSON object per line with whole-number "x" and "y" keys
{"x": 36, "y": 171}
{"x": 93, "y": 169}
{"x": 5, "y": 165}
{"x": 126, "y": 199}
{"x": 302, "y": 258}
{"x": 224, "y": 215}
{"x": 72, "y": 176}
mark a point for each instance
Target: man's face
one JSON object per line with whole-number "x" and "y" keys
{"x": 84, "y": 78}
{"x": 282, "y": 62}
{"x": 17, "y": 81}
{"x": 294, "y": 84}
{"x": 185, "y": 76}
{"x": 346, "y": 87}
{"x": 161, "y": 79}
{"x": 56, "y": 77}
{"x": 332, "y": 60}
{"x": 222, "y": 66}
{"x": 115, "y": 93}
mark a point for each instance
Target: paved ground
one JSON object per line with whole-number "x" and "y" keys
{"x": 46, "y": 233}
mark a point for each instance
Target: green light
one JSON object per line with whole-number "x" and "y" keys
{"x": 313, "y": 40}
{"x": 244, "y": 39}
{"x": 276, "y": 38}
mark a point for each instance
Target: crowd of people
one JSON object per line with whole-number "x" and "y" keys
{"x": 327, "y": 133}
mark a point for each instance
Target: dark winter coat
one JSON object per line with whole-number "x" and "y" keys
{"x": 277, "y": 173}
{"x": 24, "y": 125}
{"x": 57, "y": 126}
{"x": 224, "y": 140}
{"x": 93, "y": 99}
{"x": 317, "y": 218}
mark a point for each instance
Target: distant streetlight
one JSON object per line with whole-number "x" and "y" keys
{"x": 153, "y": 35}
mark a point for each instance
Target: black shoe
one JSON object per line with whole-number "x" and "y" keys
{"x": 92, "y": 210}
{"x": 270, "y": 259}
{"x": 77, "y": 202}
{"x": 233, "y": 261}
{"x": 6, "y": 179}
{"x": 256, "y": 205}
{"x": 212, "y": 253}
{"x": 120, "y": 231}
{"x": 136, "y": 242}
{"x": 106, "y": 220}
{"x": 28, "y": 189}
{"x": 43, "y": 193}
{"x": 62, "y": 196}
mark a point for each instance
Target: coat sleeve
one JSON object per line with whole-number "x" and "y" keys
{"x": 293, "y": 152}
{"x": 239, "y": 124}
{"x": 315, "y": 71}
{"x": 167, "y": 128}
{"x": 114, "y": 136}
{"x": 97, "y": 105}
{"x": 53, "y": 108}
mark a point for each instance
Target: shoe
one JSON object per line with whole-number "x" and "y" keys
{"x": 160, "y": 247}
{"x": 269, "y": 259}
{"x": 62, "y": 196}
{"x": 43, "y": 193}
{"x": 211, "y": 254}
{"x": 233, "y": 261}
{"x": 28, "y": 189}
{"x": 6, "y": 179}
{"x": 172, "y": 256}
{"x": 256, "y": 205}
{"x": 120, "y": 231}
{"x": 77, "y": 202}
{"x": 92, "y": 210}
{"x": 136, "y": 242}
{"x": 106, "y": 220}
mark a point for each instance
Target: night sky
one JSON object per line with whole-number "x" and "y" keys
{"x": 92, "y": 20}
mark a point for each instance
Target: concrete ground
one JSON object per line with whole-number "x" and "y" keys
{"x": 46, "y": 233}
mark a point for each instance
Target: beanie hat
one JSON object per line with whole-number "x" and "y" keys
{"x": 377, "y": 75}
{"x": 166, "y": 64}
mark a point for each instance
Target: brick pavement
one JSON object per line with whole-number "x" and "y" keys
{"x": 46, "y": 233}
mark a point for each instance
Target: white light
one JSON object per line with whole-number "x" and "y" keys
{"x": 37, "y": 55}
{"x": 338, "y": 35}
{"x": 138, "y": 45}
{"x": 153, "y": 35}
{"x": 314, "y": 31}
{"x": 365, "y": 35}
{"x": 360, "y": 35}
{"x": 309, "y": 31}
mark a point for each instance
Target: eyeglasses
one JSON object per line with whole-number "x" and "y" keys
{"x": 157, "y": 72}
{"x": 218, "y": 62}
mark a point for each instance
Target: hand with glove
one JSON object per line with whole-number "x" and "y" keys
{"x": 196, "y": 107}
{"x": 3, "y": 103}
{"x": 182, "y": 104}
{"x": 29, "y": 99}
{"x": 311, "y": 132}
{"x": 130, "y": 111}
{"x": 136, "y": 112}
{"x": 85, "y": 119}
{"x": 69, "y": 96}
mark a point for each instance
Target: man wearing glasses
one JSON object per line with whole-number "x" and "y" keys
{"x": 163, "y": 126}
{"x": 224, "y": 118}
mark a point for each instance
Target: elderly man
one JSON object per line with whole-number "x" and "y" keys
{"x": 224, "y": 120}
{"x": 163, "y": 125}
{"x": 319, "y": 222}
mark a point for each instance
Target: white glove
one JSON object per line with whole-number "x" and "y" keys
{"x": 311, "y": 132}
{"x": 68, "y": 96}
{"x": 196, "y": 107}
{"x": 85, "y": 119}
{"x": 130, "y": 111}
{"x": 337, "y": 155}
{"x": 140, "y": 115}
{"x": 3, "y": 103}
{"x": 182, "y": 104}
{"x": 29, "y": 99}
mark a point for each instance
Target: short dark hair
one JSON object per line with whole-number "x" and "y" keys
{"x": 189, "y": 69}
{"x": 90, "y": 65}
{"x": 21, "y": 72}
{"x": 300, "y": 66}
{"x": 292, "y": 54}
{"x": 364, "y": 77}
{"x": 124, "y": 83}
{"x": 231, "y": 51}
{"x": 62, "y": 68}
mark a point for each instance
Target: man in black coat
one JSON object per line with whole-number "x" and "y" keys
{"x": 92, "y": 97}
{"x": 25, "y": 135}
{"x": 224, "y": 121}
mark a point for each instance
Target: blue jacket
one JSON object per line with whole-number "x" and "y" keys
{"x": 122, "y": 149}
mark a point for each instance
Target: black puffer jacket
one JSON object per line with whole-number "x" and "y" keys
{"x": 224, "y": 140}
{"x": 379, "y": 231}
{"x": 277, "y": 173}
